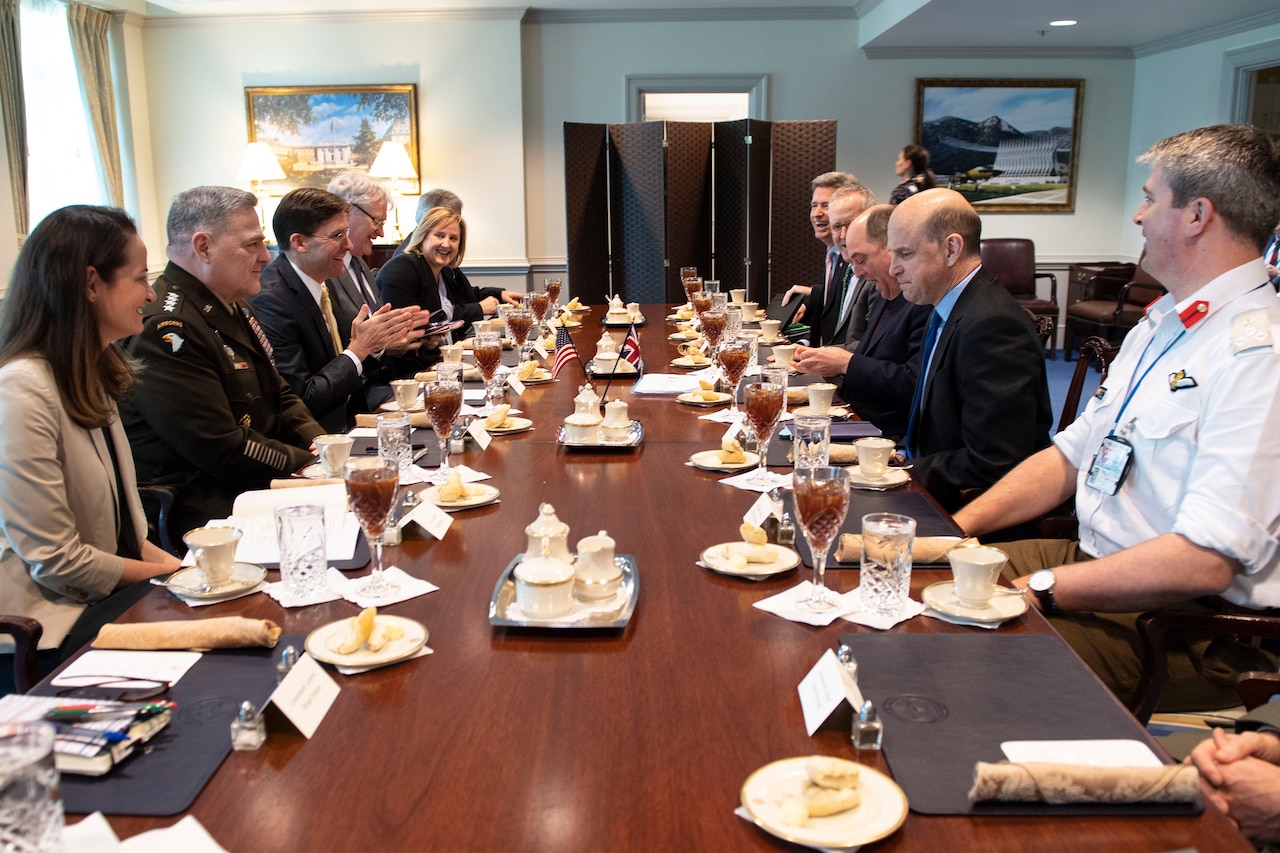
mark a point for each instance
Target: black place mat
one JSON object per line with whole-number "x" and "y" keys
{"x": 930, "y": 520}
{"x": 948, "y": 701}
{"x": 164, "y": 777}
{"x": 420, "y": 439}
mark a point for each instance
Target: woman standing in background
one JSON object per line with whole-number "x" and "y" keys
{"x": 912, "y": 168}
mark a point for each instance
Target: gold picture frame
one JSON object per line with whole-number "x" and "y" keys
{"x": 1006, "y": 145}
{"x": 318, "y": 131}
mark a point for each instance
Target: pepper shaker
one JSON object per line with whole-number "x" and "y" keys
{"x": 868, "y": 731}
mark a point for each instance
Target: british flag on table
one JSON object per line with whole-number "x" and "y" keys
{"x": 565, "y": 351}
{"x": 631, "y": 349}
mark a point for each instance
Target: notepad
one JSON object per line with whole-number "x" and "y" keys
{"x": 88, "y": 747}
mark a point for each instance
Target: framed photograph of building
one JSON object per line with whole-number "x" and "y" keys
{"x": 318, "y": 131}
{"x": 1006, "y": 145}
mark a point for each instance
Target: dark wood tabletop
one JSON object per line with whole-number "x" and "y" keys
{"x": 570, "y": 740}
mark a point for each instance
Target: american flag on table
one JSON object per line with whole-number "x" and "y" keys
{"x": 565, "y": 351}
{"x": 631, "y": 349}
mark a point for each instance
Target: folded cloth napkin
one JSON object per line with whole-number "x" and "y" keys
{"x": 198, "y": 635}
{"x": 296, "y": 482}
{"x": 839, "y": 454}
{"x": 858, "y": 616}
{"x": 960, "y": 620}
{"x": 1035, "y": 781}
{"x": 281, "y": 593}
{"x": 418, "y": 420}
{"x": 746, "y": 481}
{"x": 926, "y": 549}
{"x": 787, "y": 605}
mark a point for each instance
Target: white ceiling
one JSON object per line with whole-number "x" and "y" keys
{"x": 887, "y": 28}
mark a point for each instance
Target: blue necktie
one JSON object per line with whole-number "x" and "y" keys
{"x": 930, "y": 338}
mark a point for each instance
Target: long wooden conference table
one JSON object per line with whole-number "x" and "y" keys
{"x": 575, "y": 740}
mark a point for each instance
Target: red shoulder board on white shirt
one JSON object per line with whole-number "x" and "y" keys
{"x": 1194, "y": 313}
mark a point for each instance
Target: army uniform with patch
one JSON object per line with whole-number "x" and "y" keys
{"x": 210, "y": 415}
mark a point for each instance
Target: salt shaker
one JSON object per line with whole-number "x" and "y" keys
{"x": 288, "y": 657}
{"x": 786, "y": 529}
{"x": 868, "y": 731}
{"x": 248, "y": 729}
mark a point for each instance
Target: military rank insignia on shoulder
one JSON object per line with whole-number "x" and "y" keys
{"x": 172, "y": 302}
{"x": 1251, "y": 330}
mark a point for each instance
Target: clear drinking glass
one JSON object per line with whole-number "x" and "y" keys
{"x": 886, "y": 562}
{"x": 734, "y": 354}
{"x": 764, "y": 403}
{"x": 732, "y": 321}
{"x": 719, "y": 301}
{"x": 444, "y": 401}
{"x": 711, "y": 285}
{"x": 394, "y": 431}
{"x": 822, "y": 501}
{"x": 372, "y": 483}
{"x": 30, "y": 805}
{"x": 811, "y": 441}
{"x": 304, "y": 562}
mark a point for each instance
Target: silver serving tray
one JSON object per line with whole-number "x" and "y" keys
{"x": 622, "y": 324}
{"x": 633, "y": 440}
{"x": 504, "y": 593}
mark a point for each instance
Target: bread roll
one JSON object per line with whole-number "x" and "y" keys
{"x": 752, "y": 534}
{"x": 826, "y": 771}
{"x": 828, "y": 801}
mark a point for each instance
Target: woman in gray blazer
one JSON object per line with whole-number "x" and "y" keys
{"x": 72, "y": 526}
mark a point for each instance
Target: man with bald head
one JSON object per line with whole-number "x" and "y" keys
{"x": 981, "y": 404}
{"x": 879, "y": 377}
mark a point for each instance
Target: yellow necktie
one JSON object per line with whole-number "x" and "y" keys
{"x": 326, "y": 308}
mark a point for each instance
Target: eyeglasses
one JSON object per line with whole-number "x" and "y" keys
{"x": 377, "y": 223}
{"x": 336, "y": 236}
{"x": 113, "y": 688}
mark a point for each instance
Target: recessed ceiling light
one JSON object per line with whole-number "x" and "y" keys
{"x": 1063, "y": 23}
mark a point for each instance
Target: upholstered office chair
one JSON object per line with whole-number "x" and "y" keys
{"x": 26, "y": 638}
{"x": 1109, "y": 307}
{"x": 1012, "y": 260}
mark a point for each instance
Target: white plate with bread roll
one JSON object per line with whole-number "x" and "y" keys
{"x": 779, "y": 797}
{"x": 510, "y": 425}
{"x": 721, "y": 558}
{"x": 483, "y": 497}
{"x": 323, "y": 643}
{"x": 711, "y": 460}
{"x": 694, "y": 398}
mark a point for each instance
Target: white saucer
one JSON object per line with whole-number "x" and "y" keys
{"x": 690, "y": 400}
{"x": 486, "y": 497}
{"x": 517, "y": 425}
{"x": 941, "y": 597}
{"x": 835, "y": 412}
{"x": 187, "y": 582}
{"x": 689, "y": 364}
{"x": 393, "y": 406}
{"x": 892, "y": 477}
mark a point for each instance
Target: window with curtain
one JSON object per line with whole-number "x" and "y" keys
{"x": 62, "y": 157}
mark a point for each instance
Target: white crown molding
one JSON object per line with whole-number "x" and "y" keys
{"x": 1230, "y": 28}
{"x": 343, "y": 17}
{"x": 977, "y": 52}
{"x": 640, "y": 16}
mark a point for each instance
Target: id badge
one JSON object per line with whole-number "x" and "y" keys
{"x": 1110, "y": 465}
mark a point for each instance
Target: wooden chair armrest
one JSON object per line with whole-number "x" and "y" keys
{"x": 26, "y": 634}
{"x": 1053, "y": 284}
{"x": 1257, "y": 688}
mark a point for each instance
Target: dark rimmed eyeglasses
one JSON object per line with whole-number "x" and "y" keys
{"x": 112, "y": 688}
{"x": 377, "y": 223}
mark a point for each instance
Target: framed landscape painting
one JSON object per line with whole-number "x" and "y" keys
{"x": 1006, "y": 145}
{"x": 318, "y": 131}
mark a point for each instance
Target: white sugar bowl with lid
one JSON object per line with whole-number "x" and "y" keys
{"x": 598, "y": 575}
{"x": 544, "y": 578}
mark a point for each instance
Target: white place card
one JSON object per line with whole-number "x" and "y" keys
{"x": 733, "y": 430}
{"x": 431, "y": 518}
{"x": 514, "y": 383}
{"x": 477, "y": 431}
{"x": 761, "y": 510}
{"x": 1117, "y": 752}
{"x": 824, "y": 688}
{"x": 542, "y": 351}
{"x": 305, "y": 695}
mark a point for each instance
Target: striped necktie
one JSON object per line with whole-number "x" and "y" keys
{"x": 357, "y": 275}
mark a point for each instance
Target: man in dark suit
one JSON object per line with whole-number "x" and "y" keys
{"x": 981, "y": 405}
{"x": 879, "y": 377}
{"x": 321, "y": 355}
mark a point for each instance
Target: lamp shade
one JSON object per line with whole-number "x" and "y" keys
{"x": 392, "y": 162}
{"x": 259, "y": 164}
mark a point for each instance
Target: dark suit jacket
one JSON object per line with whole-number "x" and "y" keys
{"x": 407, "y": 280}
{"x": 823, "y": 313}
{"x": 327, "y": 382}
{"x": 348, "y": 300}
{"x": 881, "y": 377}
{"x": 986, "y": 401}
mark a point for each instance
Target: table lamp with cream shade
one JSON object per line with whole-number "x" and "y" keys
{"x": 259, "y": 164}
{"x": 393, "y": 163}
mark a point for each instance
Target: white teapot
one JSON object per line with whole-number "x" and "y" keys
{"x": 598, "y": 575}
{"x": 544, "y": 578}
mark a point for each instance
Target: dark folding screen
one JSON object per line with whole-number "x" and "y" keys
{"x": 648, "y": 187}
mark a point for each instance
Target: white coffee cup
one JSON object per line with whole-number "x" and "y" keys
{"x": 215, "y": 552}
{"x": 783, "y": 353}
{"x": 406, "y": 391}
{"x": 873, "y": 456}
{"x": 820, "y": 394}
{"x": 737, "y": 295}
{"x": 452, "y": 353}
{"x": 749, "y": 311}
{"x": 333, "y": 451}
{"x": 769, "y": 329}
{"x": 975, "y": 569}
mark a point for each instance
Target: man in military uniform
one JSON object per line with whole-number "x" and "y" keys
{"x": 1173, "y": 462}
{"x": 210, "y": 414}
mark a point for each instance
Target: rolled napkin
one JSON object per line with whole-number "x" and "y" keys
{"x": 469, "y": 371}
{"x": 418, "y": 420}
{"x": 926, "y": 549}
{"x": 198, "y": 635}
{"x": 1032, "y": 781}
{"x": 296, "y": 482}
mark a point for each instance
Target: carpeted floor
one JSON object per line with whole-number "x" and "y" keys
{"x": 1059, "y": 374}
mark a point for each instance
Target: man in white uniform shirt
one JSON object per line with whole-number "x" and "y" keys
{"x": 1173, "y": 464}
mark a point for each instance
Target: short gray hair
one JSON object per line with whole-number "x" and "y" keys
{"x": 359, "y": 188}
{"x": 1235, "y": 166}
{"x": 834, "y": 180}
{"x": 204, "y": 209}
{"x": 438, "y": 198}
{"x": 864, "y": 194}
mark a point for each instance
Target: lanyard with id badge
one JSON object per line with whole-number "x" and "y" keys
{"x": 1114, "y": 458}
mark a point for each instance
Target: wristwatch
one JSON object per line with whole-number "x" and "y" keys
{"x": 1041, "y": 584}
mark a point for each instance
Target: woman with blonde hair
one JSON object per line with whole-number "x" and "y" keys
{"x": 72, "y": 530}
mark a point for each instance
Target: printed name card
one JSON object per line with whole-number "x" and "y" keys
{"x": 734, "y": 429}
{"x": 824, "y": 689}
{"x": 761, "y": 510}
{"x": 305, "y": 695}
{"x": 430, "y": 518}
{"x": 477, "y": 431}
{"x": 514, "y": 383}
{"x": 542, "y": 351}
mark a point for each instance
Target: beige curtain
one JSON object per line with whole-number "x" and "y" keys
{"x": 88, "y": 28}
{"x": 15, "y": 110}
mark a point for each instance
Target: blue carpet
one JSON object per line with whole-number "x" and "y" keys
{"x": 1059, "y": 374}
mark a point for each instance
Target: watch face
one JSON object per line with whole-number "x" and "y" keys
{"x": 1041, "y": 580}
